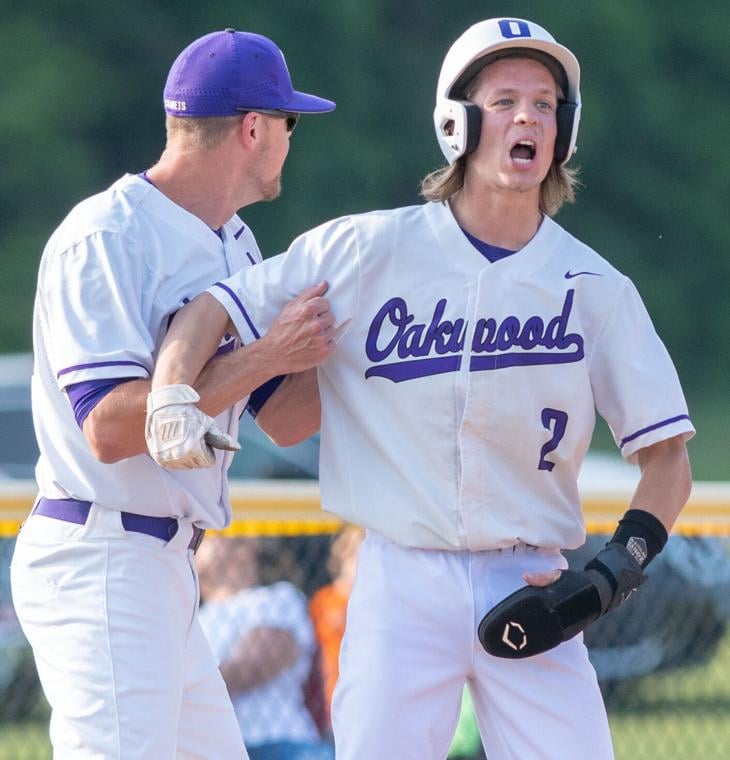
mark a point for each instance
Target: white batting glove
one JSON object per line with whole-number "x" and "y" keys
{"x": 179, "y": 435}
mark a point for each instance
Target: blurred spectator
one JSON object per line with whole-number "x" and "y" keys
{"x": 328, "y": 606}
{"x": 263, "y": 638}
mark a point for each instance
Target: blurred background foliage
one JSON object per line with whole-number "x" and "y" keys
{"x": 82, "y": 81}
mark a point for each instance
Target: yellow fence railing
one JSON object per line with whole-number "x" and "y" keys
{"x": 292, "y": 508}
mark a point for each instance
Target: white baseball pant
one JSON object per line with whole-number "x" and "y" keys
{"x": 112, "y": 619}
{"x": 411, "y": 644}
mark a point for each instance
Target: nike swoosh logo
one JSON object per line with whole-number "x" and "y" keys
{"x": 570, "y": 275}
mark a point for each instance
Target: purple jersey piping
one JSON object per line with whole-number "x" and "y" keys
{"x": 631, "y": 437}
{"x": 254, "y": 331}
{"x": 100, "y": 364}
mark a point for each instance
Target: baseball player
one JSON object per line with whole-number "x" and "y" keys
{"x": 476, "y": 339}
{"x": 103, "y": 576}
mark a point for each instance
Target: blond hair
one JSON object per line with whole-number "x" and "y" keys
{"x": 206, "y": 132}
{"x": 558, "y": 187}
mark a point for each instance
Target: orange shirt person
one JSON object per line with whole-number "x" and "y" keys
{"x": 328, "y": 606}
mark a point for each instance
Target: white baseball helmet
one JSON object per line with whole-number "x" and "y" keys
{"x": 458, "y": 122}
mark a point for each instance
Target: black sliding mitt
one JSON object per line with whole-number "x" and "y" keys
{"x": 534, "y": 619}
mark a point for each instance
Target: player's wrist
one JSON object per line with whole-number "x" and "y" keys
{"x": 639, "y": 537}
{"x": 642, "y": 534}
{"x": 167, "y": 395}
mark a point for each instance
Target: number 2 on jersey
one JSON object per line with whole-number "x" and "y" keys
{"x": 556, "y": 421}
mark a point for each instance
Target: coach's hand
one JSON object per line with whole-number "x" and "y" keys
{"x": 559, "y": 605}
{"x": 179, "y": 435}
{"x": 303, "y": 335}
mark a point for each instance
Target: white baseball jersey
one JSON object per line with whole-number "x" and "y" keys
{"x": 111, "y": 277}
{"x": 460, "y": 400}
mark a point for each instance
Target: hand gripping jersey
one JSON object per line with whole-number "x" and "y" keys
{"x": 111, "y": 278}
{"x": 461, "y": 398}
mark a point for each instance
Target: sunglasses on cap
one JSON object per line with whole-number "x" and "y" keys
{"x": 291, "y": 118}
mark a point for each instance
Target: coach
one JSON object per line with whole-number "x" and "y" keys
{"x": 103, "y": 576}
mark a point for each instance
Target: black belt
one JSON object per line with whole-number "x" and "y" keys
{"x": 76, "y": 511}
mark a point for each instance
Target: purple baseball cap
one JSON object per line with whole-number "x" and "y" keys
{"x": 226, "y": 72}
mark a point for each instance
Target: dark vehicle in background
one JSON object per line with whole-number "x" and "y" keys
{"x": 18, "y": 449}
{"x": 676, "y": 620}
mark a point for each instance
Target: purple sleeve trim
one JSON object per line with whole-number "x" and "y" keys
{"x": 100, "y": 364}
{"x": 262, "y": 394}
{"x": 254, "y": 331}
{"x": 631, "y": 437}
{"x": 86, "y": 395}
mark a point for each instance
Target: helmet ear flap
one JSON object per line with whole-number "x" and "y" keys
{"x": 473, "y": 127}
{"x": 458, "y": 126}
{"x": 567, "y": 121}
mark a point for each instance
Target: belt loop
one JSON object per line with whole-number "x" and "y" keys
{"x": 197, "y": 538}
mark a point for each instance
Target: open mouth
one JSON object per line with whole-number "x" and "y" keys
{"x": 523, "y": 152}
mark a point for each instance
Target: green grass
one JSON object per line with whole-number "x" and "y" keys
{"x": 24, "y": 741}
{"x": 680, "y": 715}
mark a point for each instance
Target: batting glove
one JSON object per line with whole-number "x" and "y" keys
{"x": 179, "y": 435}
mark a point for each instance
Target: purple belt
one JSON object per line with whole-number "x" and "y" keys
{"x": 75, "y": 511}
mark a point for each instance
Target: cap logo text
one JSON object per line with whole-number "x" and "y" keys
{"x": 176, "y": 105}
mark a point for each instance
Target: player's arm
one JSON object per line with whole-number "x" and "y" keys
{"x": 666, "y": 480}
{"x": 180, "y": 434}
{"x": 115, "y": 427}
{"x": 557, "y": 606}
{"x": 300, "y": 337}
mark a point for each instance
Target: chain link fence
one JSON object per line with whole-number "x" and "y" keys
{"x": 663, "y": 659}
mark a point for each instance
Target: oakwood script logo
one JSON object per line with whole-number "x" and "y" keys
{"x": 403, "y": 349}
